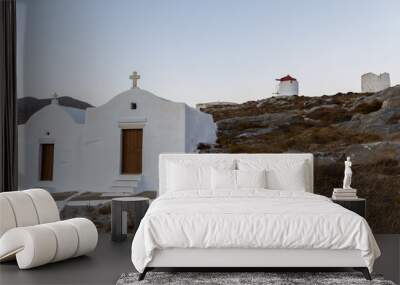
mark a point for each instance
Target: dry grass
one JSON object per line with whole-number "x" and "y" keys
{"x": 330, "y": 115}
{"x": 366, "y": 108}
{"x": 253, "y": 108}
{"x": 378, "y": 180}
{"x": 395, "y": 119}
{"x": 333, "y": 136}
{"x": 61, "y": 196}
{"x": 394, "y": 137}
{"x": 298, "y": 138}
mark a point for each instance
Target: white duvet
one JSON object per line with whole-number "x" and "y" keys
{"x": 250, "y": 219}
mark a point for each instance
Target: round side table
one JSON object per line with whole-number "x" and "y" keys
{"x": 120, "y": 207}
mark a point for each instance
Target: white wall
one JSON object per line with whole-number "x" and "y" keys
{"x": 371, "y": 82}
{"x": 87, "y": 157}
{"x": 200, "y": 127}
{"x": 163, "y": 131}
{"x": 66, "y": 136}
{"x": 288, "y": 88}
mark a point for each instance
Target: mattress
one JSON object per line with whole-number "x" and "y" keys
{"x": 250, "y": 219}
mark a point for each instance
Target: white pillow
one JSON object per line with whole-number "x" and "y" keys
{"x": 281, "y": 174}
{"x": 192, "y": 174}
{"x": 223, "y": 179}
{"x": 251, "y": 178}
{"x": 187, "y": 177}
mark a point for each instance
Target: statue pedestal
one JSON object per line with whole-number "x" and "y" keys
{"x": 344, "y": 194}
{"x": 357, "y": 205}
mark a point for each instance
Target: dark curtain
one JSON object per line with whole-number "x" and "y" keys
{"x": 8, "y": 97}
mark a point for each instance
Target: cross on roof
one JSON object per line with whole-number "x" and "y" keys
{"x": 134, "y": 77}
{"x": 55, "y": 98}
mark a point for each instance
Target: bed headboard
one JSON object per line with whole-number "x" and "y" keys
{"x": 164, "y": 158}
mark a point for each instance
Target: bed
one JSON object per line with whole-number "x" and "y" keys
{"x": 245, "y": 211}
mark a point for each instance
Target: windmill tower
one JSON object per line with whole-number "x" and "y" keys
{"x": 287, "y": 86}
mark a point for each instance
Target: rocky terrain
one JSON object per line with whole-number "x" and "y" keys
{"x": 94, "y": 206}
{"x": 365, "y": 126}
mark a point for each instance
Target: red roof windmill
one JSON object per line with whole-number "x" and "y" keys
{"x": 287, "y": 78}
{"x": 288, "y": 86}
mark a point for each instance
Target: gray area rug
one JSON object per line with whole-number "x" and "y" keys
{"x": 228, "y": 278}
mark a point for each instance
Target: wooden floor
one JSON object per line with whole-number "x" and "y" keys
{"x": 111, "y": 259}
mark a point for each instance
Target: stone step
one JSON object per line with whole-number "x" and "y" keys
{"x": 123, "y": 189}
{"x": 127, "y": 184}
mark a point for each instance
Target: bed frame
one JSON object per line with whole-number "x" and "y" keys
{"x": 244, "y": 259}
{"x": 249, "y": 259}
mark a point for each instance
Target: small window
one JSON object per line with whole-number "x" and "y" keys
{"x": 46, "y": 162}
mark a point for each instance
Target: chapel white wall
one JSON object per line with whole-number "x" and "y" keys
{"x": 163, "y": 131}
{"x": 87, "y": 157}
{"x": 200, "y": 128}
{"x": 65, "y": 133}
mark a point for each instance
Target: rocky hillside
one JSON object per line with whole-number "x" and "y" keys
{"x": 364, "y": 126}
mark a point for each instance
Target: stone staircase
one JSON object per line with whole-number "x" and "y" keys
{"x": 126, "y": 183}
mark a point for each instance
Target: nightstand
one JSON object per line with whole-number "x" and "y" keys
{"x": 120, "y": 207}
{"x": 357, "y": 205}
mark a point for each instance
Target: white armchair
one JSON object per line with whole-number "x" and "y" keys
{"x": 31, "y": 230}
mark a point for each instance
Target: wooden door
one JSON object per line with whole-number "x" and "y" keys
{"x": 131, "y": 162}
{"x": 47, "y": 162}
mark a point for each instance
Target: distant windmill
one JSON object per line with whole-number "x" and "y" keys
{"x": 287, "y": 86}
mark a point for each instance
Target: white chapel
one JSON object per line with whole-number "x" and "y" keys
{"x": 113, "y": 147}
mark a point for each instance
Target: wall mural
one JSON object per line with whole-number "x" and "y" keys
{"x": 85, "y": 141}
{"x": 364, "y": 126}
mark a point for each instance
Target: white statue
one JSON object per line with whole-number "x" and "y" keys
{"x": 347, "y": 174}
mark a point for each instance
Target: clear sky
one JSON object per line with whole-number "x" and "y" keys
{"x": 209, "y": 50}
